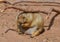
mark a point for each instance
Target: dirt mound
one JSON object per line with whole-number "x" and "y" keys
{"x": 8, "y": 20}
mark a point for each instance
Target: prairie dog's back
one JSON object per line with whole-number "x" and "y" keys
{"x": 38, "y": 20}
{"x": 32, "y": 19}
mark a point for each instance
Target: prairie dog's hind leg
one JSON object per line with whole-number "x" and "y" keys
{"x": 37, "y": 32}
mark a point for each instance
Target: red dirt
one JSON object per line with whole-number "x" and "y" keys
{"x": 8, "y": 20}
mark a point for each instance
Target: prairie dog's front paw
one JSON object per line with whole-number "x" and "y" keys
{"x": 25, "y": 25}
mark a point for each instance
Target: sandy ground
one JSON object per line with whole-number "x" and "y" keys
{"x": 8, "y": 20}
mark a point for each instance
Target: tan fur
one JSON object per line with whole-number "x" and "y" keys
{"x": 30, "y": 21}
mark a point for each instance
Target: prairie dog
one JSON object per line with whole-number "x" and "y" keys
{"x": 31, "y": 23}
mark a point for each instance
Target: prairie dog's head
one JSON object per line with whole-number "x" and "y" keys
{"x": 25, "y": 18}
{"x": 22, "y": 18}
